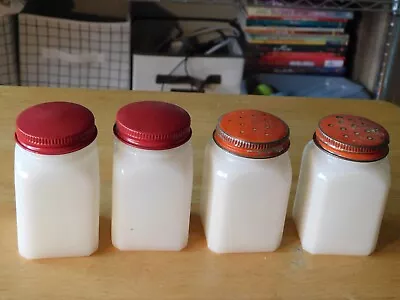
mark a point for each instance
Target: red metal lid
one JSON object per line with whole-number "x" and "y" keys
{"x": 252, "y": 133}
{"x": 352, "y": 137}
{"x": 153, "y": 125}
{"x": 55, "y": 128}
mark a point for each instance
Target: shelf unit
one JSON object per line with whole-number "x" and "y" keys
{"x": 388, "y": 12}
{"x": 392, "y": 34}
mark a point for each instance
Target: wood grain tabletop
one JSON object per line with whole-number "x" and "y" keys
{"x": 196, "y": 273}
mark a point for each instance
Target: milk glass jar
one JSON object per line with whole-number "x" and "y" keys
{"x": 246, "y": 183}
{"x": 56, "y": 181}
{"x": 152, "y": 177}
{"x": 343, "y": 185}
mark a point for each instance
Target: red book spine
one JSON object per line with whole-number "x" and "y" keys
{"x": 302, "y": 59}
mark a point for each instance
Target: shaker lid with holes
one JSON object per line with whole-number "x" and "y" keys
{"x": 352, "y": 137}
{"x": 252, "y": 134}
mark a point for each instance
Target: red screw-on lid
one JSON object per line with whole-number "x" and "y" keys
{"x": 55, "y": 128}
{"x": 352, "y": 137}
{"x": 153, "y": 125}
{"x": 252, "y": 134}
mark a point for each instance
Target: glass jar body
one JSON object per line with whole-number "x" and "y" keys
{"x": 152, "y": 192}
{"x": 244, "y": 200}
{"x": 57, "y": 202}
{"x": 340, "y": 203}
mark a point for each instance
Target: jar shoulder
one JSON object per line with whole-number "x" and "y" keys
{"x": 155, "y": 165}
{"x": 123, "y": 150}
{"x": 85, "y": 160}
{"x": 125, "y": 155}
{"x": 226, "y": 164}
{"x": 330, "y": 167}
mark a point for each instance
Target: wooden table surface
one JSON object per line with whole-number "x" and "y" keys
{"x": 196, "y": 273}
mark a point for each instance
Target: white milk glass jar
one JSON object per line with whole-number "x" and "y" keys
{"x": 343, "y": 185}
{"x": 56, "y": 181}
{"x": 246, "y": 183}
{"x": 152, "y": 177}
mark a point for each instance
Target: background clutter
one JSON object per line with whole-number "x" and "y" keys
{"x": 188, "y": 47}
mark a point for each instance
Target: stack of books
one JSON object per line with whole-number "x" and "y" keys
{"x": 297, "y": 41}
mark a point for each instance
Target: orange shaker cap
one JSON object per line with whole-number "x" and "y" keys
{"x": 352, "y": 137}
{"x": 252, "y": 134}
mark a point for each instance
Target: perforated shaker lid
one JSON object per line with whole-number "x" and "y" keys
{"x": 153, "y": 125}
{"x": 55, "y": 128}
{"x": 252, "y": 134}
{"x": 352, "y": 137}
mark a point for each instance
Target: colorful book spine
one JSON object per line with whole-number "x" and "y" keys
{"x": 297, "y": 42}
{"x": 299, "y": 39}
{"x": 304, "y": 70}
{"x": 301, "y": 13}
{"x": 295, "y": 23}
{"x": 302, "y": 59}
{"x": 292, "y": 30}
{"x": 283, "y": 18}
{"x": 262, "y": 49}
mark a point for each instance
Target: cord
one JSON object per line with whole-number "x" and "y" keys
{"x": 219, "y": 46}
{"x": 176, "y": 68}
{"x": 205, "y": 30}
{"x": 186, "y": 66}
{"x": 200, "y": 31}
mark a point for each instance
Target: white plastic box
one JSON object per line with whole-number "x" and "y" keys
{"x": 246, "y": 183}
{"x": 146, "y": 68}
{"x": 57, "y": 181}
{"x": 152, "y": 177}
{"x": 150, "y": 63}
{"x": 343, "y": 186}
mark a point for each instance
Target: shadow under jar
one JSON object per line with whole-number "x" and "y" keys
{"x": 343, "y": 186}
{"x": 246, "y": 183}
{"x": 152, "y": 177}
